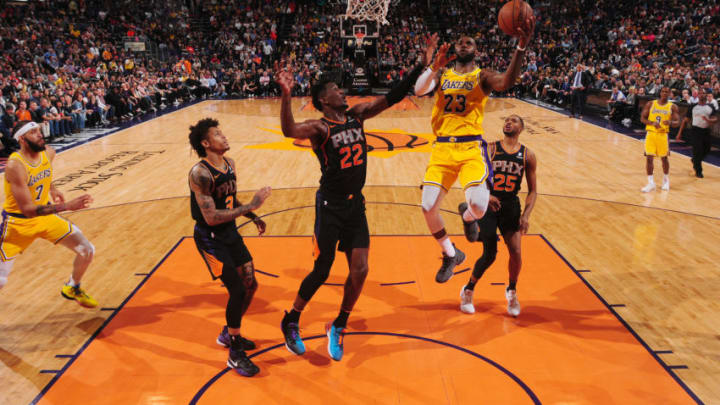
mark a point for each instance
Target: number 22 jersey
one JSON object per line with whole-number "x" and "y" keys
{"x": 343, "y": 157}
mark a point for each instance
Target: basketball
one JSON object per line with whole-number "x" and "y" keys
{"x": 512, "y": 16}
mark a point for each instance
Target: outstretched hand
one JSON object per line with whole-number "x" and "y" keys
{"x": 431, "y": 43}
{"x": 441, "y": 60}
{"x": 284, "y": 78}
{"x": 525, "y": 33}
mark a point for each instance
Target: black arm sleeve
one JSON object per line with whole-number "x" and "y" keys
{"x": 397, "y": 93}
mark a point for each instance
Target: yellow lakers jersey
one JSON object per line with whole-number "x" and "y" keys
{"x": 39, "y": 179}
{"x": 459, "y": 105}
{"x": 659, "y": 113}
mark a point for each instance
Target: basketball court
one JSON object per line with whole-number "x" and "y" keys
{"x": 617, "y": 302}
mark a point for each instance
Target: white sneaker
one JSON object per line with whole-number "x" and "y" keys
{"x": 666, "y": 185}
{"x": 466, "y": 301}
{"x": 649, "y": 187}
{"x": 513, "y": 303}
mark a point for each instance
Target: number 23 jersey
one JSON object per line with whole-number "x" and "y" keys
{"x": 459, "y": 107}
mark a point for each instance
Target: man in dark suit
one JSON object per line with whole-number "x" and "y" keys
{"x": 580, "y": 82}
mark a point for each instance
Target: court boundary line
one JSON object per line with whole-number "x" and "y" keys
{"x": 107, "y": 321}
{"x": 627, "y": 326}
{"x": 76, "y": 355}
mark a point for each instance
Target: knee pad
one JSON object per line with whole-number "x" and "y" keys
{"x": 86, "y": 249}
{"x": 430, "y": 197}
{"x": 321, "y": 269}
{"x": 5, "y": 268}
{"x": 478, "y": 198}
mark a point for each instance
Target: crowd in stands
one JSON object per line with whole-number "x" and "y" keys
{"x": 64, "y": 64}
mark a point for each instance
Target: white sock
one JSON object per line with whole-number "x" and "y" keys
{"x": 72, "y": 283}
{"x": 666, "y": 178}
{"x": 447, "y": 247}
{"x": 467, "y": 216}
{"x": 651, "y": 180}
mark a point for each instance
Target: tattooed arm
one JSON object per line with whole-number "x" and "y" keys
{"x": 201, "y": 183}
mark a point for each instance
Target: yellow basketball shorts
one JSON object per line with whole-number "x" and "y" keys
{"x": 656, "y": 144}
{"x": 450, "y": 161}
{"x": 18, "y": 233}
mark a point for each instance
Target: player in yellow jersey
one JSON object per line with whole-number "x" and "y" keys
{"x": 459, "y": 150}
{"x": 658, "y": 116}
{"x": 28, "y": 214}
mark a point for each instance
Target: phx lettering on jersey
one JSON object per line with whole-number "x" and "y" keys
{"x": 34, "y": 179}
{"x": 227, "y": 188}
{"x": 507, "y": 167}
{"x": 457, "y": 84}
{"x": 347, "y": 137}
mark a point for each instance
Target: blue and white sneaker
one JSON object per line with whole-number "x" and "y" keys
{"x": 335, "y": 341}
{"x": 291, "y": 331}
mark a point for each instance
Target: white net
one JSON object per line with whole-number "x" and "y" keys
{"x": 375, "y": 10}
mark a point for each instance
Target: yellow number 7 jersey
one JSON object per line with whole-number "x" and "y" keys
{"x": 459, "y": 104}
{"x": 38, "y": 181}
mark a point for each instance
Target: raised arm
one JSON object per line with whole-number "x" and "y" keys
{"x": 201, "y": 184}
{"x": 304, "y": 130}
{"x": 17, "y": 177}
{"x": 368, "y": 110}
{"x": 530, "y": 169}
{"x": 494, "y": 81}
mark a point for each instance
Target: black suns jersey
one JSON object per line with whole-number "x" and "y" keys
{"x": 508, "y": 170}
{"x": 223, "y": 192}
{"x": 343, "y": 157}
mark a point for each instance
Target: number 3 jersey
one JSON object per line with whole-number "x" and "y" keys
{"x": 343, "y": 157}
{"x": 39, "y": 180}
{"x": 508, "y": 170}
{"x": 223, "y": 190}
{"x": 459, "y": 104}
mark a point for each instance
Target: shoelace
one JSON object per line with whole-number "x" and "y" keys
{"x": 78, "y": 291}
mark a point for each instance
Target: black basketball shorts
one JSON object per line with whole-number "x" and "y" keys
{"x": 340, "y": 219}
{"x": 223, "y": 251}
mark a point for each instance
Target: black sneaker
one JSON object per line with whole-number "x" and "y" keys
{"x": 448, "y": 265}
{"x": 471, "y": 228}
{"x": 699, "y": 175}
{"x": 223, "y": 339}
{"x": 291, "y": 332}
{"x": 240, "y": 362}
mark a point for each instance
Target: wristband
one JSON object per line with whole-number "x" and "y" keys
{"x": 521, "y": 49}
{"x": 251, "y": 215}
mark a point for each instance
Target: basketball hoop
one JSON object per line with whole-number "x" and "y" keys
{"x": 368, "y": 10}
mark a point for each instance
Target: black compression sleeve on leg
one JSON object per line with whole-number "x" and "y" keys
{"x": 400, "y": 90}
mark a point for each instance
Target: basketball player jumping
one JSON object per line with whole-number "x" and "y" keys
{"x": 459, "y": 149}
{"x": 28, "y": 215}
{"x": 338, "y": 140}
{"x": 214, "y": 207}
{"x": 658, "y": 116}
{"x": 511, "y": 160}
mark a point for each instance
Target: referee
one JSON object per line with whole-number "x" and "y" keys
{"x": 700, "y": 116}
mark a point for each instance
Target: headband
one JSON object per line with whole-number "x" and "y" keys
{"x": 25, "y": 129}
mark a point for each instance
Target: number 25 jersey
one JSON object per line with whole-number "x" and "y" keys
{"x": 459, "y": 107}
